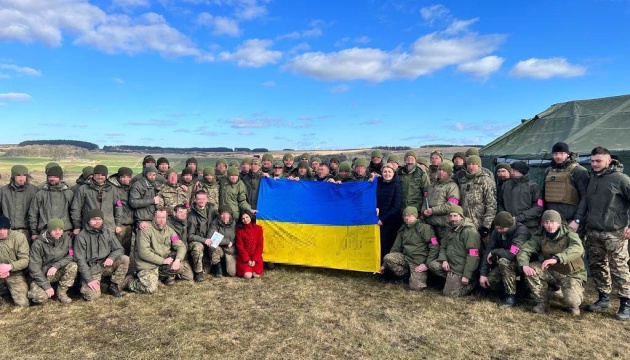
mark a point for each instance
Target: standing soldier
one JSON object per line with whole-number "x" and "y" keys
{"x": 15, "y": 200}
{"x": 498, "y": 265}
{"x": 563, "y": 265}
{"x": 149, "y": 161}
{"x": 221, "y": 168}
{"x": 188, "y": 181}
{"x": 53, "y": 201}
{"x": 439, "y": 200}
{"x": 376, "y": 162}
{"x": 225, "y": 225}
{"x": 210, "y": 185}
{"x": 85, "y": 177}
{"x": 459, "y": 162}
{"x": 97, "y": 194}
{"x": 234, "y": 193}
{"x": 478, "y": 196}
{"x": 14, "y": 254}
{"x": 415, "y": 247}
{"x": 278, "y": 173}
{"x": 172, "y": 193}
{"x": 607, "y": 232}
{"x": 394, "y": 161}
{"x": 98, "y": 254}
{"x": 162, "y": 166}
{"x": 143, "y": 196}
{"x": 252, "y": 183}
{"x": 288, "y": 160}
{"x": 434, "y": 163}
{"x": 503, "y": 171}
{"x": 521, "y": 197}
{"x": 565, "y": 186}
{"x": 459, "y": 255}
{"x": 192, "y": 164}
{"x": 51, "y": 261}
{"x": 160, "y": 254}
{"x": 333, "y": 163}
{"x": 415, "y": 182}
{"x": 201, "y": 215}
{"x": 266, "y": 164}
{"x": 123, "y": 213}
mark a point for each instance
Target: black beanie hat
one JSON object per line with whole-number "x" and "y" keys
{"x": 521, "y": 167}
{"x": 504, "y": 219}
{"x": 94, "y": 213}
{"x": 5, "y": 223}
{"x": 191, "y": 160}
{"x": 560, "y": 147}
{"x": 162, "y": 160}
{"x": 101, "y": 170}
{"x": 187, "y": 171}
{"x": 55, "y": 171}
{"x": 148, "y": 159}
{"x": 125, "y": 171}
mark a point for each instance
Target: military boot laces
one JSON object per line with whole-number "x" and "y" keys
{"x": 115, "y": 290}
{"x": 510, "y": 301}
{"x": 624, "y": 309}
{"x": 602, "y": 303}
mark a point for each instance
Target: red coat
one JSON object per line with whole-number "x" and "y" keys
{"x": 249, "y": 246}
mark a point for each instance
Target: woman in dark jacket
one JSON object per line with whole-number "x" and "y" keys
{"x": 389, "y": 207}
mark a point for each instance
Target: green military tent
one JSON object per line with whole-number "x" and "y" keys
{"x": 582, "y": 124}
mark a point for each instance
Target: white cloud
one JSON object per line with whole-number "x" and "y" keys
{"x": 301, "y": 47}
{"x": 546, "y": 68}
{"x": 250, "y": 9}
{"x": 118, "y": 80}
{"x": 428, "y": 54}
{"x": 48, "y": 22}
{"x": 340, "y": 88}
{"x": 11, "y": 96}
{"x": 21, "y": 69}
{"x": 253, "y": 53}
{"x": 220, "y": 25}
{"x": 482, "y": 67}
{"x": 269, "y": 84}
{"x": 362, "y": 40}
{"x": 129, "y": 4}
{"x": 458, "y": 26}
{"x": 431, "y": 13}
{"x": 314, "y": 30}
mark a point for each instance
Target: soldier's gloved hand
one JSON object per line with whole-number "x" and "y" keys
{"x": 483, "y": 231}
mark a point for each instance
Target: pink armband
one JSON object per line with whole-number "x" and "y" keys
{"x": 71, "y": 252}
{"x": 434, "y": 241}
{"x": 473, "y": 252}
{"x": 119, "y": 203}
{"x": 424, "y": 194}
{"x": 539, "y": 202}
{"x": 453, "y": 201}
{"x": 514, "y": 249}
{"x": 187, "y": 205}
{"x": 174, "y": 238}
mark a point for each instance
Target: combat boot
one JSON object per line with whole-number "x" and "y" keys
{"x": 169, "y": 280}
{"x": 63, "y": 297}
{"x": 540, "y": 308}
{"x": 198, "y": 277}
{"x": 115, "y": 290}
{"x": 602, "y": 303}
{"x": 217, "y": 271}
{"x": 575, "y": 311}
{"x": 624, "y": 309}
{"x": 510, "y": 301}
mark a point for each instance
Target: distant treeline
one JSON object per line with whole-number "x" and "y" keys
{"x": 159, "y": 149}
{"x": 56, "y": 152}
{"x": 394, "y": 148}
{"x": 77, "y": 143}
{"x": 449, "y": 145}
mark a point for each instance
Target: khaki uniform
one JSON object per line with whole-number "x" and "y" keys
{"x": 478, "y": 198}
{"x": 15, "y": 203}
{"x": 415, "y": 184}
{"x": 440, "y": 197}
{"x": 173, "y": 195}
{"x": 14, "y": 250}
{"x": 212, "y": 189}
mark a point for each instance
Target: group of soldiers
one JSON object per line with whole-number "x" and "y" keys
{"x": 459, "y": 222}
{"x": 473, "y": 229}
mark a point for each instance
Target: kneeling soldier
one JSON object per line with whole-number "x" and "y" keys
{"x": 498, "y": 264}
{"x": 415, "y": 247}
{"x": 563, "y": 265}
{"x": 159, "y": 254}
{"x": 98, "y": 254}
{"x": 13, "y": 260}
{"x": 51, "y": 261}
{"x": 459, "y": 255}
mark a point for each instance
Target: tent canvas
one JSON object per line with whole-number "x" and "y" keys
{"x": 582, "y": 124}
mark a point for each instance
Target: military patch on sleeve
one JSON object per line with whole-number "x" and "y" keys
{"x": 453, "y": 200}
{"x": 174, "y": 238}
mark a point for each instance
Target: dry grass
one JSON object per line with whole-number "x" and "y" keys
{"x": 296, "y": 313}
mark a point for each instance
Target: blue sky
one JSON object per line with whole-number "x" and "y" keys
{"x": 300, "y": 74}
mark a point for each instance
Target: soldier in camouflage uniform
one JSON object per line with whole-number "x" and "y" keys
{"x": 333, "y": 164}
{"x": 344, "y": 173}
{"x": 478, "y": 196}
{"x": 414, "y": 181}
{"x": 162, "y": 166}
{"x": 415, "y": 247}
{"x": 201, "y": 215}
{"x": 287, "y": 160}
{"x": 233, "y": 193}
{"x": 361, "y": 171}
{"x": 301, "y": 172}
{"x": 439, "y": 199}
{"x": 607, "y": 232}
{"x": 98, "y": 254}
{"x": 86, "y": 176}
{"x": 394, "y": 161}
{"x": 266, "y": 165}
{"x": 123, "y": 213}
{"x": 15, "y": 199}
{"x": 376, "y": 162}
{"x": 277, "y": 170}
{"x": 210, "y": 186}
{"x": 459, "y": 162}
{"x": 50, "y": 262}
{"x": 143, "y": 196}
{"x": 14, "y": 257}
{"x": 220, "y": 171}
{"x": 498, "y": 265}
{"x": 160, "y": 253}
{"x": 52, "y": 201}
{"x": 434, "y": 163}
{"x": 458, "y": 259}
{"x": 563, "y": 265}
{"x": 172, "y": 193}
{"x": 225, "y": 225}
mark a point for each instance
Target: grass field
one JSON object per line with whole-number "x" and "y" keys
{"x": 304, "y": 313}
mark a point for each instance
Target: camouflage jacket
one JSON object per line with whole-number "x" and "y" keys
{"x": 173, "y": 195}
{"x": 212, "y": 189}
{"x": 478, "y": 198}
{"x": 440, "y": 197}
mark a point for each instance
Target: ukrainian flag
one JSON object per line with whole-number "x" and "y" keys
{"x": 320, "y": 224}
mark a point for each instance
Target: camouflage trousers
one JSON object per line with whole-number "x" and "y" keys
{"x": 147, "y": 281}
{"x": 196, "y": 252}
{"x": 230, "y": 258}
{"x": 65, "y": 276}
{"x": 572, "y": 288}
{"x": 117, "y": 272}
{"x": 453, "y": 285}
{"x": 608, "y": 258}
{"x": 127, "y": 238}
{"x": 505, "y": 272}
{"x": 400, "y": 267}
{"x": 18, "y": 288}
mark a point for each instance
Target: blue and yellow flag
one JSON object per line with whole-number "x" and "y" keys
{"x": 320, "y": 224}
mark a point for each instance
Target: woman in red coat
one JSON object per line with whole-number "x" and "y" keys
{"x": 249, "y": 245}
